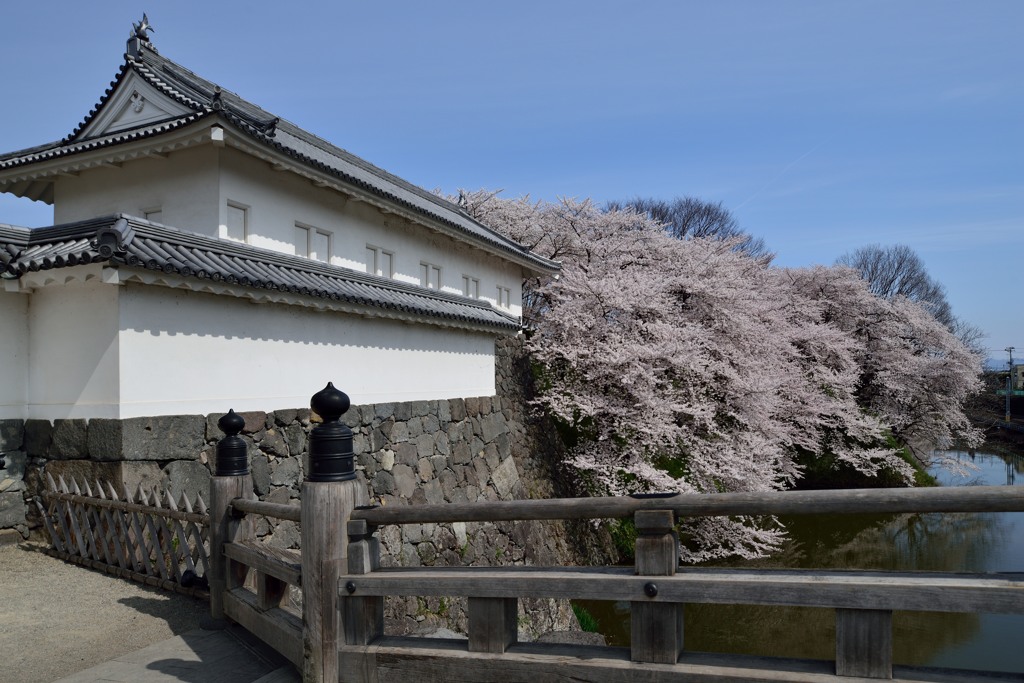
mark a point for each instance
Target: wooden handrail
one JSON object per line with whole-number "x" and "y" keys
{"x": 932, "y": 592}
{"x": 194, "y": 517}
{"x": 282, "y": 564}
{"x": 259, "y": 507}
{"x": 845, "y": 501}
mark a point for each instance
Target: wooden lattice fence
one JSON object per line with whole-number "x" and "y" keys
{"x": 146, "y": 536}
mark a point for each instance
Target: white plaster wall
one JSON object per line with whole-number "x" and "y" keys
{"x": 192, "y": 188}
{"x": 185, "y": 353}
{"x": 15, "y": 358}
{"x": 184, "y": 186}
{"x": 413, "y": 244}
{"x": 73, "y": 350}
{"x": 276, "y": 200}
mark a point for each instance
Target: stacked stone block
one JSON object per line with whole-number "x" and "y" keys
{"x": 13, "y": 511}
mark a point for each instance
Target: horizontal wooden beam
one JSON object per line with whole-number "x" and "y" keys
{"x": 852, "y": 501}
{"x": 995, "y": 593}
{"x": 146, "y": 579}
{"x": 281, "y": 564}
{"x": 276, "y": 627}
{"x": 195, "y": 517}
{"x": 258, "y": 507}
{"x": 398, "y": 660}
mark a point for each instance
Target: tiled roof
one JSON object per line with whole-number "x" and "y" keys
{"x": 67, "y": 146}
{"x": 205, "y": 98}
{"x": 137, "y": 243}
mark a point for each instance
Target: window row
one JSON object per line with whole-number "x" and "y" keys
{"x": 431, "y": 277}
{"x": 314, "y": 243}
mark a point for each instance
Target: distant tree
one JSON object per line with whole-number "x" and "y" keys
{"x": 897, "y": 270}
{"x": 690, "y": 217}
{"x": 972, "y": 336}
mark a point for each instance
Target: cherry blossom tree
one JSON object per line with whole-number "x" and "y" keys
{"x": 915, "y": 373}
{"x": 688, "y": 365}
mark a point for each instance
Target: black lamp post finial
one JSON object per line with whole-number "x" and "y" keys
{"x": 232, "y": 451}
{"x": 330, "y": 444}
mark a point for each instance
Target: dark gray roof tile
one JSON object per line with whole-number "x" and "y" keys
{"x": 137, "y": 243}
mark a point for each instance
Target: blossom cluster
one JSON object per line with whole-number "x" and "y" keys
{"x": 689, "y": 365}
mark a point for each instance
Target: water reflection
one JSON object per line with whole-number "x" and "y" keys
{"x": 919, "y": 542}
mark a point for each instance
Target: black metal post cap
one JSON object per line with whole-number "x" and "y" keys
{"x": 331, "y": 457}
{"x": 231, "y": 423}
{"x": 232, "y": 451}
{"x": 330, "y": 403}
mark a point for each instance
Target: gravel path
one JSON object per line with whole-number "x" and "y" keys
{"x": 57, "y": 618}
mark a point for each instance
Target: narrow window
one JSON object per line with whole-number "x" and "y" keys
{"x": 237, "y": 222}
{"x": 154, "y": 215}
{"x": 430, "y": 275}
{"x": 312, "y": 243}
{"x": 301, "y": 241}
{"x": 320, "y": 245}
{"x": 471, "y": 287}
{"x": 504, "y": 297}
{"x": 379, "y": 261}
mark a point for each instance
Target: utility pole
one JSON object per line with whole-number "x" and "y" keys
{"x": 1009, "y": 381}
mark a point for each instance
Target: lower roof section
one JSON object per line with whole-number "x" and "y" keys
{"x": 196, "y": 261}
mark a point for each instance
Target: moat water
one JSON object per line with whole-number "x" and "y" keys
{"x": 989, "y": 542}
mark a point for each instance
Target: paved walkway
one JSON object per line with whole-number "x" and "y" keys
{"x": 62, "y": 622}
{"x": 228, "y": 656}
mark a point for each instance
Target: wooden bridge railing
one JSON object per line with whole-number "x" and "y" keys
{"x": 250, "y": 581}
{"x": 864, "y": 601}
{"x": 340, "y": 636}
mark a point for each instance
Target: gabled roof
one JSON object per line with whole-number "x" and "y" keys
{"x": 195, "y": 98}
{"x": 136, "y": 244}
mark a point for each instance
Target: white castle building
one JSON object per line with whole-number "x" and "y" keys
{"x": 208, "y": 254}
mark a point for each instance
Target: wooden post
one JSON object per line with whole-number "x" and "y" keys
{"x": 231, "y": 480}
{"x": 657, "y": 627}
{"x": 864, "y": 643}
{"x": 329, "y": 494}
{"x": 493, "y": 624}
{"x": 270, "y": 591}
{"x": 362, "y": 616}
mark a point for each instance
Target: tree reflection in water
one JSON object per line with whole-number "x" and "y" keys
{"x": 893, "y": 543}
{"x": 918, "y": 542}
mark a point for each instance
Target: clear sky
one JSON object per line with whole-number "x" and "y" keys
{"x": 823, "y": 126}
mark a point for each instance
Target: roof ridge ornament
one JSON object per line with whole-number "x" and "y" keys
{"x": 139, "y": 37}
{"x": 113, "y": 239}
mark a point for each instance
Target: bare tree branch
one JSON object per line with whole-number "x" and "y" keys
{"x": 689, "y": 217}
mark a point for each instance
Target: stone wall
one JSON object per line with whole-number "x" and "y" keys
{"x": 458, "y": 450}
{"x": 13, "y": 510}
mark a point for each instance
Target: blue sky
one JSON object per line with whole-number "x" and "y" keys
{"x": 823, "y": 126}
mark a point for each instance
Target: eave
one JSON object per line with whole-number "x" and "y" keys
{"x": 32, "y": 174}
